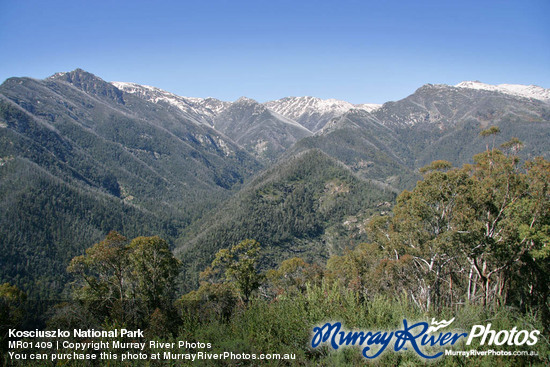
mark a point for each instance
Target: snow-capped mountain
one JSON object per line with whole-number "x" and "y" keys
{"x": 527, "y": 91}
{"x": 442, "y": 107}
{"x": 369, "y": 107}
{"x": 203, "y": 110}
{"x": 435, "y": 122}
{"x": 312, "y": 112}
{"x": 262, "y": 132}
{"x": 160, "y": 161}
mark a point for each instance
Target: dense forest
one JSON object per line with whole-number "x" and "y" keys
{"x": 468, "y": 243}
{"x": 78, "y": 160}
{"x": 80, "y": 157}
{"x": 228, "y": 224}
{"x": 309, "y": 206}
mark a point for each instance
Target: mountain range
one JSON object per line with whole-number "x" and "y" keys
{"x": 80, "y": 156}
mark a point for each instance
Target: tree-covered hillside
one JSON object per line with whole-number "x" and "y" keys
{"x": 467, "y": 245}
{"x": 436, "y": 122}
{"x": 78, "y": 158}
{"x": 309, "y": 205}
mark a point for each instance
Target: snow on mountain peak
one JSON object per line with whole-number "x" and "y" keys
{"x": 246, "y": 100}
{"x": 526, "y": 91}
{"x": 312, "y": 112}
{"x": 369, "y": 107}
{"x": 296, "y": 106}
{"x": 202, "y": 110}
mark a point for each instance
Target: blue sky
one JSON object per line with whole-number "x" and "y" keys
{"x": 359, "y": 51}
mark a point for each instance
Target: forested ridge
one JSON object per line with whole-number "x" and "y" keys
{"x": 309, "y": 206}
{"x": 80, "y": 157}
{"x": 468, "y": 243}
{"x": 137, "y": 213}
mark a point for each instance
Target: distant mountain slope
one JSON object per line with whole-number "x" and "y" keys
{"x": 203, "y": 110}
{"x": 80, "y": 156}
{"x": 526, "y": 91}
{"x": 262, "y": 132}
{"x": 140, "y": 143}
{"x": 442, "y": 107}
{"x": 313, "y": 113}
{"x": 106, "y": 160}
{"x": 436, "y": 122}
{"x": 368, "y": 148}
{"x": 309, "y": 205}
{"x": 45, "y": 221}
{"x": 443, "y": 122}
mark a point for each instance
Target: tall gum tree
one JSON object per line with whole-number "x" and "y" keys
{"x": 472, "y": 231}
